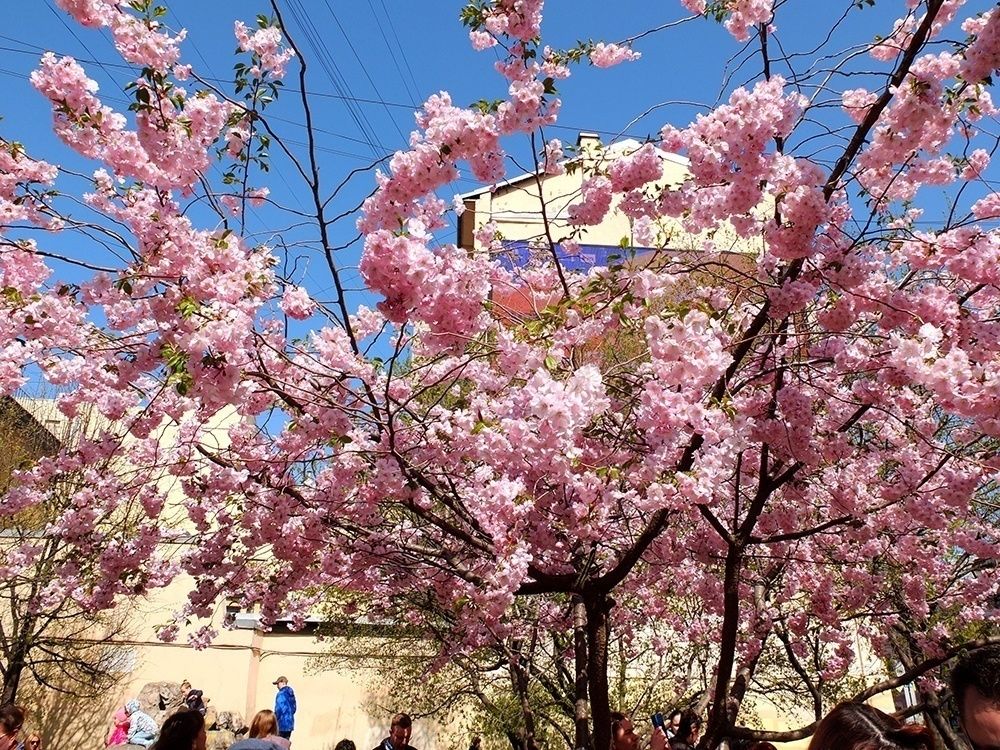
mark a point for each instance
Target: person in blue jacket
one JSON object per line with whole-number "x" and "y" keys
{"x": 284, "y": 707}
{"x": 142, "y": 728}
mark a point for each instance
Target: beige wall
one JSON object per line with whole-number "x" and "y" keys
{"x": 238, "y": 670}
{"x": 516, "y": 206}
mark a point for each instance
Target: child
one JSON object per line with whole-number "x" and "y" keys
{"x": 119, "y": 728}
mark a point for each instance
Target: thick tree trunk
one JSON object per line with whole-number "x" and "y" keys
{"x": 718, "y": 723}
{"x": 12, "y": 677}
{"x": 598, "y": 606}
{"x": 581, "y": 707}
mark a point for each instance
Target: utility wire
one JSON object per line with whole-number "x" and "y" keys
{"x": 412, "y": 92}
{"x": 364, "y": 70}
{"x": 320, "y": 94}
{"x": 329, "y": 65}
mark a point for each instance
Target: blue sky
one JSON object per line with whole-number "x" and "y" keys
{"x": 372, "y": 61}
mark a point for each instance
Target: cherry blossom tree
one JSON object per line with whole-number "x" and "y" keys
{"x": 45, "y": 636}
{"x": 799, "y": 445}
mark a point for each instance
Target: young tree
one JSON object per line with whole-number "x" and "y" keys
{"x": 44, "y": 635}
{"x": 785, "y": 441}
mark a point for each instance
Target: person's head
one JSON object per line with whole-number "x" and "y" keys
{"x": 11, "y": 721}
{"x": 975, "y": 683}
{"x": 689, "y": 727}
{"x": 623, "y": 736}
{"x": 675, "y": 720}
{"x": 33, "y": 741}
{"x": 400, "y": 730}
{"x": 132, "y": 706}
{"x": 345, "y": 745}
{"x": 281, "y": 682}
{"x": 185, "y": 686}
{"x": 264, "y": 723}
{"x": 184, "y": 730}
{"x": 858, "y": 726}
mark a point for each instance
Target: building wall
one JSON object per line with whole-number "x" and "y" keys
{"x": 236, "y": 673}
{"x": 523, "y": 207}
{"x": 23, "y": 439}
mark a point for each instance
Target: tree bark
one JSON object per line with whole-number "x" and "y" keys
{"x": 718, "y": 723}
{"x": 12, "y": 676}
{"x": 519, "y": 679}
{"x": 597, "y": 606}
{"x": 581, "y": 713}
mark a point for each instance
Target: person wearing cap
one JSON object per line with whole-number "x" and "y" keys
{"x": 284, "y": 707}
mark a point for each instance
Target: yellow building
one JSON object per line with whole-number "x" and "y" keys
{"x": 23, "y": 439}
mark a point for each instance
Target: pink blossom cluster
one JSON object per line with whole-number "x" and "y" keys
{"x": 17, "y": 172}
{"x": 729, "y": 156}
{"x": 741, "y": 15}
{"x": 169, "y": 147}
{"x": 296, "y": 303}
{"x": 915, "y": 128}
{"x": 450, "y": 134}
{"x": 857, "y": 102}
{"x": 745, "y": 15}
{"x": 265, "y": 44}
{"x": 143, "y": 43}
{"x": 636, "y": 169}
{"x": 596, "y": 201}
{"x": 401, "y": 267}
{"x": 92, "y": 13}
{"x": 982, "y": 57}
{"x": 552, "y": 161}
{"x": 140, "y": 41}
{"x": 608, "y": 55}
{"x": 518, "y": 19}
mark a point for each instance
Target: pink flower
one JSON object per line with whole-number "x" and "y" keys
{"x": 857, "y": 102}
{"x": 553, "y": 156}
{"x": 637, "y": 169}
{"x": 296, "y": 303}
{"x": 978, "y": 161}
{"x": 93, "y": 13}
{"x": 607, "y": 55}
{"x": 266, "y": 45}
{"x": 595, "y": 204}
{"x": 982, "y": 56}
{"x": 482, "y": 40}
{"x": 258, "y": 196}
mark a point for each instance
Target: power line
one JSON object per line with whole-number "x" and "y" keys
{"x": 320, "y": 94}
{"x": 392, "y": 54}
{"x": 364, "y": 70}
{"x": 329, "y": 65}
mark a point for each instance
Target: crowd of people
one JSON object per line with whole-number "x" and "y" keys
{"x": 186, "y": 729}
{"x": 975, "y": 686}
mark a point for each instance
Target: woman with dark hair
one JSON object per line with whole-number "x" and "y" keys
{"x": 674, "y": 723}
{"x": 184, "y": 730}
{"x": 858, "y": 726}
{"x": 687, "y": 731}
